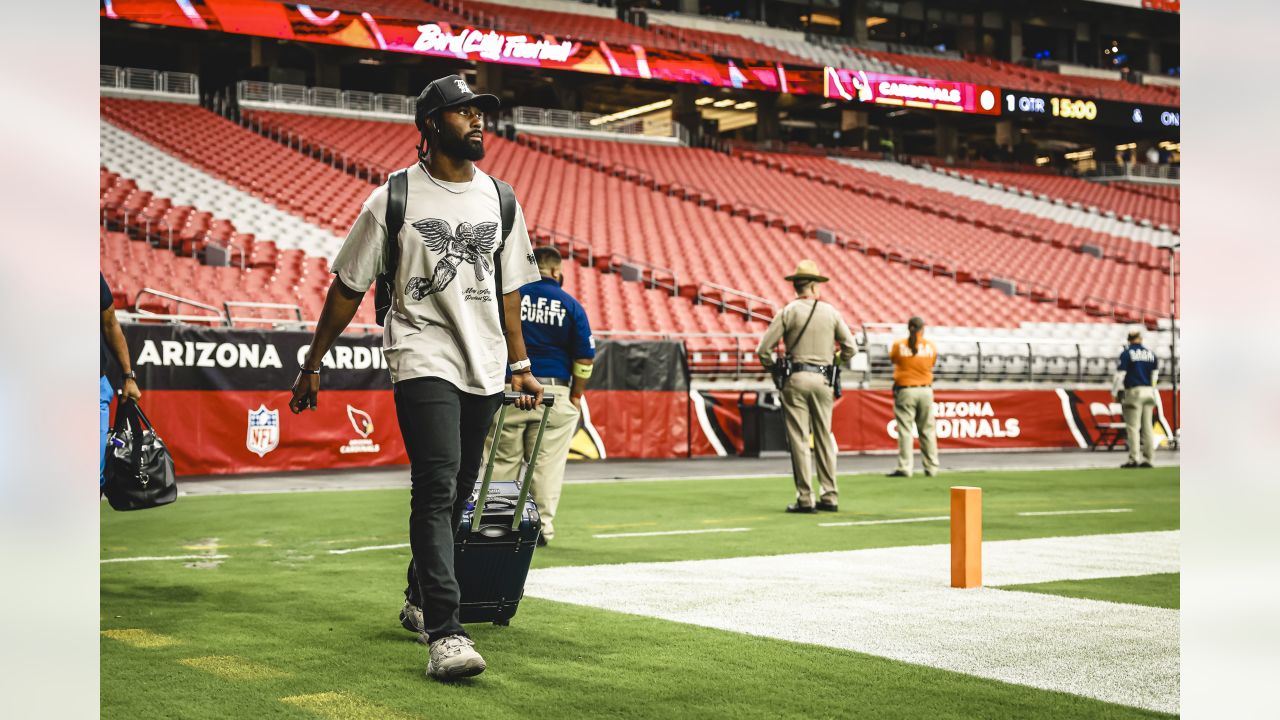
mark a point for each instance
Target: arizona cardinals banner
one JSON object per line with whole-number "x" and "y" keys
{"x": 862, "y": 420}
{"x": 220, "y": 399}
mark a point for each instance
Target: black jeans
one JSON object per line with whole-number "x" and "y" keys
{"x": 444, "y": 430}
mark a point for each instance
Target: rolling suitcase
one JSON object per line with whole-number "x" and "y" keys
{"x": 494, "y": 543}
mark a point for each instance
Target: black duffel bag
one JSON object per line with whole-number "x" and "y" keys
{"x": 139, "y": 471}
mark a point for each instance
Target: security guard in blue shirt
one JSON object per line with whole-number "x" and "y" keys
{"x": 1138, "y": 371}
{"x": 557, "y": 335}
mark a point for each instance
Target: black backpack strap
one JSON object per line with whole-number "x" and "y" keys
{"x": 397, "y": 199}
{"x": 507, "y": 207}
{"x": 804, "y": 327}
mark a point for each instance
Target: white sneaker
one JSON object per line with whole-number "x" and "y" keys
{"x": 411, "y": 617}
{"x": 454, "y": 657}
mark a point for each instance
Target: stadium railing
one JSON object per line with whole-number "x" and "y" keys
{"x": 178, "y": 302}
{"x": 259, "y": 95}
{"x": 571, "y": 122}
{"x": 141, "y": 82}
{"x": 1000, "y": 358}
{"x": 1139, "y": 171}
{"x": 230, "y": 306}
{"x": 653, "y": 276}
{"x": 570, "y": 247}
{"x": 727, "y": 299}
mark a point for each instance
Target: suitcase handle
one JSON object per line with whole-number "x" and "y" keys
{"x": 511, "y": 397}
{"x": 483, "y": 494}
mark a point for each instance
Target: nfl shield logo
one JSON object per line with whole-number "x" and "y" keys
{"x": 264, "y": 430}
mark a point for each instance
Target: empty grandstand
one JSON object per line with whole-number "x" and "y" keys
{"x": 681, "y": 206}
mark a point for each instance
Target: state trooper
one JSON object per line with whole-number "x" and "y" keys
{"x": 811, "y": 330}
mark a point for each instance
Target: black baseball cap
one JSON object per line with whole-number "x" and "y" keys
{"x": 450, "y": 91}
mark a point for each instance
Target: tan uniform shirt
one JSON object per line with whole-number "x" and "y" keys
{"x": 817, "y": 346}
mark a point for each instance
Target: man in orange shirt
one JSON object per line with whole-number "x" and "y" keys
{"x": 913, "y": 359}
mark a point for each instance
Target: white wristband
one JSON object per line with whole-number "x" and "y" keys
{"x": 519, "y": 365}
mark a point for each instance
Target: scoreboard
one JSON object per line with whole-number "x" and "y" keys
{"x": 1090, "y": 111}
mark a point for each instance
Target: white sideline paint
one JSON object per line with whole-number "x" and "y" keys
{"x": 895, "y": 603}
{"x": 895, "y": 521}
{"x": 367, "y": 548}
{"x": 1075, "y": 512}
{"x": 670, "y": 532}
{"x": 164, "y": 557}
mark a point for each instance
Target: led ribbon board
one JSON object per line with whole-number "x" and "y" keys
{"x": 1088, "y": 111}
{"x": 425, "y": 36}
{"x": 912, "y": 92}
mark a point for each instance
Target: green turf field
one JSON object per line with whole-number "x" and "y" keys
{"x": 1158, "y": 590}
{"x": 283, "y": 628}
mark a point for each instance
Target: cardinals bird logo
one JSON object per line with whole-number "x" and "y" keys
{"x": 361, "y": 421}
{"x": 472, "y": 244}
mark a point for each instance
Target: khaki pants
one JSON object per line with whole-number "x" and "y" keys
{"x": 1139, "y": 406}
{"x": 519, "y": 432}
{"x": 913, "y": 408}
{"x": 806, "y": 403}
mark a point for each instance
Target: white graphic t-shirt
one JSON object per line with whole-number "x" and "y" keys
{"x": 444, "y": 314}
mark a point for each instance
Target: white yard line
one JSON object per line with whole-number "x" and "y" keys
{"x": 670, "y": 532}
{"x": 895, "y": 603}
{"x": 1075, "y": 512}
{"x": 886, "y": 522}
{"x": 348, "y": 551}
{"x": 164, "y": 557}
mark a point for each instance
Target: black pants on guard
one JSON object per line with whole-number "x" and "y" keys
{"x": 444, "y": 430}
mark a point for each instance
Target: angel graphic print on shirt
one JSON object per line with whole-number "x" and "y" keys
{"x": 444, "y": 315}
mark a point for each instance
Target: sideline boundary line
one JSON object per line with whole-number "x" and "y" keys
{"x": 892, "y": 521}
{"x": 1074, "y": 512}
{"x": 366, "y": 548}
{"x": 658, "y": 533}
{"x": 148, "y": 558}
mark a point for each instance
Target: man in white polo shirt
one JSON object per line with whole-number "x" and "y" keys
{"x": 443, "y": 341}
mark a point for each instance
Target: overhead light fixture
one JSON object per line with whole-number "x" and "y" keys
{"x": 369, "y": 61}
{"x": 874, "y": 21}
{"x": 827, "y": 105}
{"x": 1128, "y": 146}
{"x": 1080, "y": 155}
{"x": 1043, "y": 160}
{"x": 703, "y": 101}
{"x": 745, "y": 105}
{"x": 723, "y": 103}
{"x": 632, "y": 112}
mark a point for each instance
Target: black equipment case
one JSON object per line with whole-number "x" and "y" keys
{"x": 495, "y": 541}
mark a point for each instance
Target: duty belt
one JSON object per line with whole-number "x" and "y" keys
{"x": 806, "y": 367}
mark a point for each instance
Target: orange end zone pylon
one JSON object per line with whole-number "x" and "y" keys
{"x": 966, "y": 537}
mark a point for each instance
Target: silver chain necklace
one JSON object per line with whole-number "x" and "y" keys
{"x": 442, "y": 187}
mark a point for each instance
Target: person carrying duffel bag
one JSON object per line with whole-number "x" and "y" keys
{"x": 138, "y": 470}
